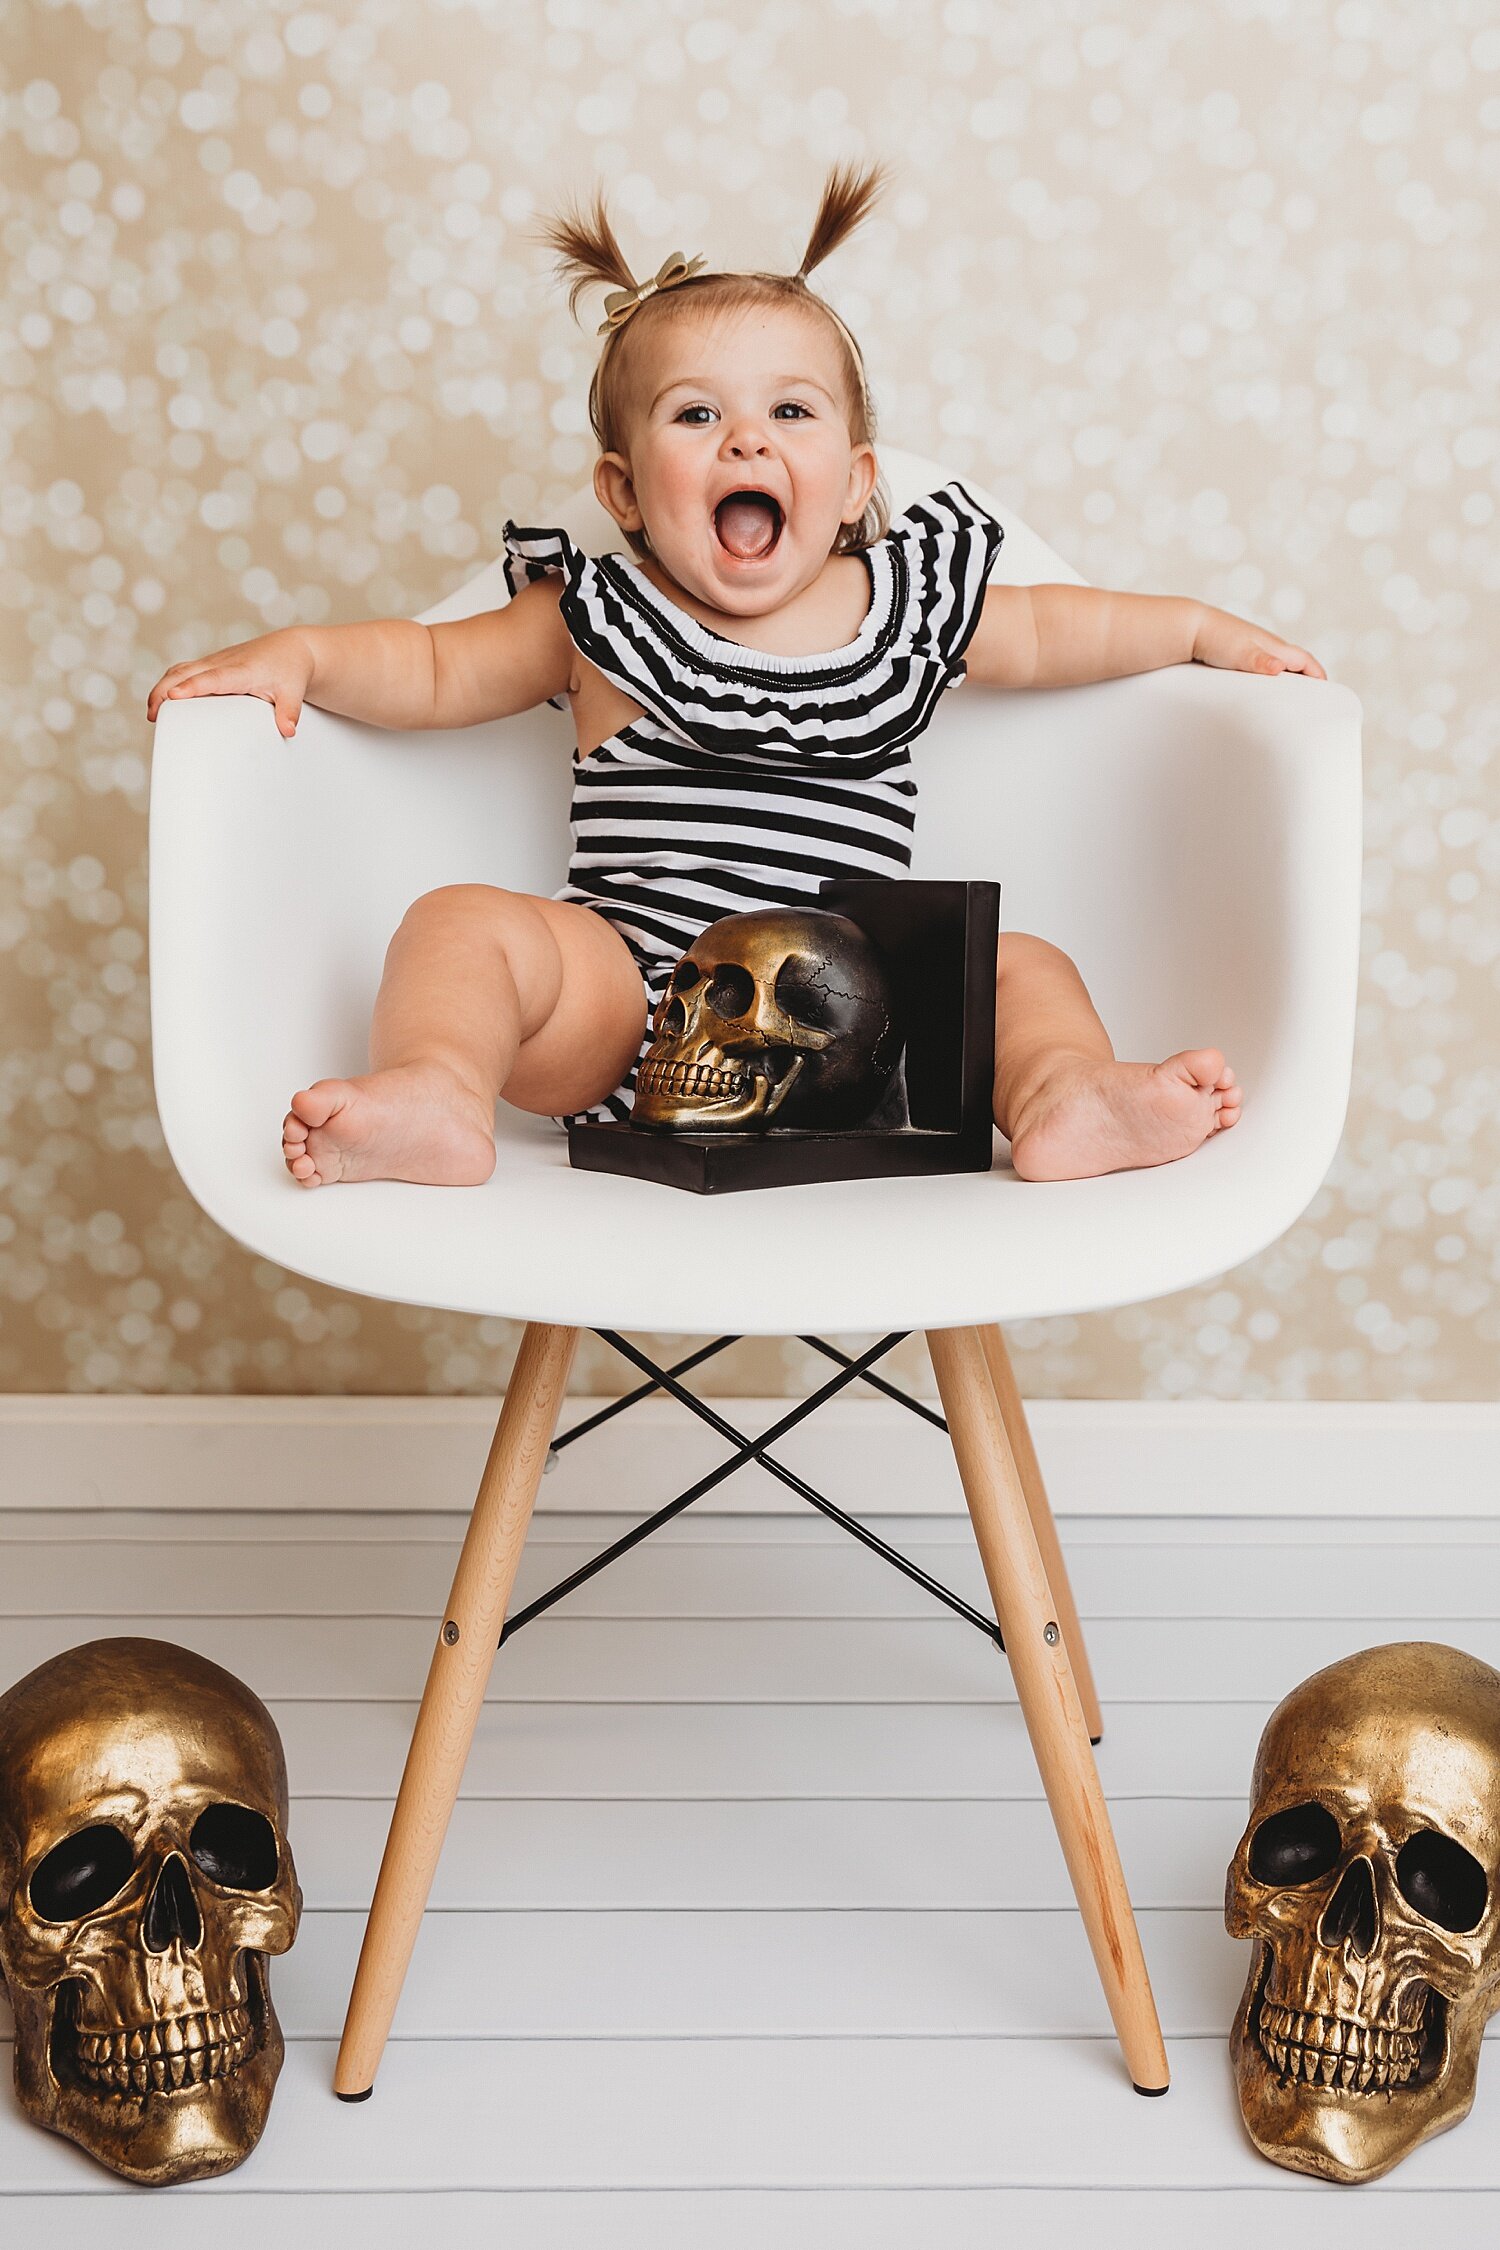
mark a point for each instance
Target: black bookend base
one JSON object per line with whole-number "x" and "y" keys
{"x": 940, "y": 939}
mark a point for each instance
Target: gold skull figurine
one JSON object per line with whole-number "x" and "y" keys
{"x": 780, "y": 1014}
{"x": 1369, "y": 1877}
{"x": 144, "y": 1878}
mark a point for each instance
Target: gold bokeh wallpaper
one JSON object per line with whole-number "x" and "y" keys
{"x": 1204, "y": 290}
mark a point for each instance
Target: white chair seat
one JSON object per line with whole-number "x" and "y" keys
{"x": 1192, "y": 838}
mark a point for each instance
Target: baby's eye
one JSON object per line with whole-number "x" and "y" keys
{"x": 793, "y": 406}
{"x": 687, "y": 410}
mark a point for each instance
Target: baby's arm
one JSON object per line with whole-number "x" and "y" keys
{"x": 393, "y": 671}
{"x": 1060, "y": 636}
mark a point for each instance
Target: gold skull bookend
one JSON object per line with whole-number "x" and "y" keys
{"x": 1369, "y": 1878}
{"x": 782, "y": 1016}
{"x": 144, "y": 1879}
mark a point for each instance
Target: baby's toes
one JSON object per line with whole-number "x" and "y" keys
{"x": 1197, "y": 1067}
{"x": 1228, "y": 1111}
{"x": 316, "y": 1104}
{"x": 294, "y": 1150}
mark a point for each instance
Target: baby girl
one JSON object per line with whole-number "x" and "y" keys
{"x": 745, "y": 693}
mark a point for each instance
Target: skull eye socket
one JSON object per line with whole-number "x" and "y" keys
{"x": 81, "y": 1874}
{"x": 235, "y": 1847}
{"x": 732, "y": 990}
{"x": 685, "y": 976}
{"x": 1295, "y": 1846}
{"x": 1442, "y": 1881}
{"x": 797, "y": 995}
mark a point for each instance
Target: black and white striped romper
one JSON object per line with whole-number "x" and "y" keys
{"x": 750, "y": 777}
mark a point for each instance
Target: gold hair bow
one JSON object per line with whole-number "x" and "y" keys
{"x": 621, "y": 303}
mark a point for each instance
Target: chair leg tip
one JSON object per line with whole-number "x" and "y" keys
{"x": 1151, "y": 2091}
{"x": 369, "y": 2090}
{"x": 1094, "y": 1742}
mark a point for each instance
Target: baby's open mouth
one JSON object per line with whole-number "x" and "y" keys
{"x": 748, "y": 524}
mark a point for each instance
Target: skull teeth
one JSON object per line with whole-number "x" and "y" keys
{"x": 697, "y": 1081}
{"x": 165, "y": 2057}
{"x": 1317, "y": 2050}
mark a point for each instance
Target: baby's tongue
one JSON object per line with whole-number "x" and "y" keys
{"x": 746, "y": 525}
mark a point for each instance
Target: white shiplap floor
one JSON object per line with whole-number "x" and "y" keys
{"x": 751, "y": 1921}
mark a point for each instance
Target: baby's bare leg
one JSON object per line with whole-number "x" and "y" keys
{"x": 1067, "y": 1107}
{"x": 485, "y": 993}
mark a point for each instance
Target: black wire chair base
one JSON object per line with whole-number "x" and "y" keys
{"x": 749, "y": 1449}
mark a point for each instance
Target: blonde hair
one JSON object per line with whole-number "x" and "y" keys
{"x": 588, "y": 253}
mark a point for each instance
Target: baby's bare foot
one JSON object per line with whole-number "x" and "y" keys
{"x": 417, "y": 1122}
{"x": 1085, "y": 1117}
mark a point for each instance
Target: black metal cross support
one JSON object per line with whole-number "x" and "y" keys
{"x": 750, "y": 1449}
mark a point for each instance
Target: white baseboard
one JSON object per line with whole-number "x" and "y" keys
{"x": 1101, "y": 1457}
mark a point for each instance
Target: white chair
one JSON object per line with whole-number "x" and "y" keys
{"x": 1191, "y": 837}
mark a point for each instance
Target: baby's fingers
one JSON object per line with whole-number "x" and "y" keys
{"x": 196, "y": 679}
{"x": 227, "y": 679}
{"x": 1281, "y": 656}
{"x": 169, "y": 679}
{"x": 288, "y": 709}
{"x": 236, "y": 679}
{"x": 286, "y": 704}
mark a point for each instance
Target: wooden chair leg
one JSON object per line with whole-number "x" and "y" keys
{"x": 453, "y": 1696}
{"x": 1038, "y": 1507}
{"x": 1048, "y": 1693}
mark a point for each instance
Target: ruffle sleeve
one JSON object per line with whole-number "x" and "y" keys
{"x": 606, "y": 619}
{"x": 949, "y": 544}
{"x": 601, "y": 613}
{"x": 530, "y": 555}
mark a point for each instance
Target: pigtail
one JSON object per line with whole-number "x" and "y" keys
{"x": 849, "y": 194}
{"x": 584, "y": 245}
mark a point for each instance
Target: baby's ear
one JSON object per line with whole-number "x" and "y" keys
{"x": 615, "y": 491}
{"x": 864, "y": 474}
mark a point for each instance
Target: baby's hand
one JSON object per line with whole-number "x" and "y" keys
{"x": 1236, "y": 646}
{"x": 275, "y": 666}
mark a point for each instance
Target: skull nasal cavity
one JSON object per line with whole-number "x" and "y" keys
{"x": 1351, "y": 1914}
{"x": 172, "y": 1911}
